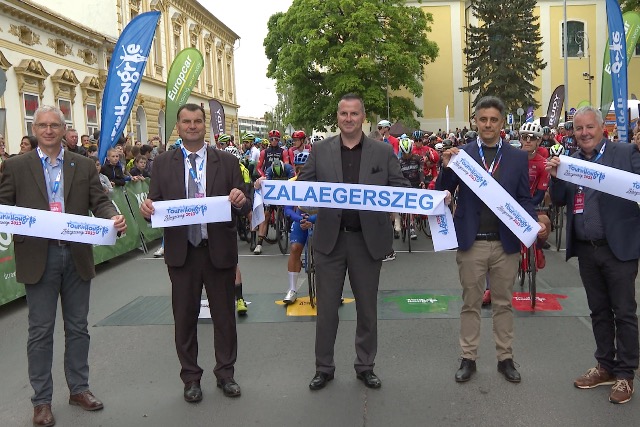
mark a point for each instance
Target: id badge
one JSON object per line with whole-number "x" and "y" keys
{"x": 199, "y": 195}
{"x": 55, "y": 207}
{"x": 578, "y": 203}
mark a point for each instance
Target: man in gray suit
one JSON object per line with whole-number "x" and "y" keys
{"x": 350, "y": 240}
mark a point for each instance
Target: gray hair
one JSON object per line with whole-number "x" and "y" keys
{"x": 589, "y": 109}
{"x": 48, "y": 109}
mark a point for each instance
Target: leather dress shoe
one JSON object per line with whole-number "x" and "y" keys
{"x": 509, "y": 371}
{"x": 229, "y": 387}
{"x": 192, "y": 392}
{"x": 42, "y": 415}
{"x": 86, "y": 400}
{"x": 320, "y": 380}
{"x": 467, "y": 368}
{"x": 369, "y": 379}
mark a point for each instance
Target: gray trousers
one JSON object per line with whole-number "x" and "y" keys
{"x": 350, "y": 254}
{"x": 60, "y": 279}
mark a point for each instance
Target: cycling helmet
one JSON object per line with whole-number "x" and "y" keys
{"x": 277, "y": 168}
{"x": 384, "y": 124}
{"x": 275, "y": 133}
{"x": 447, "y": 143}
{"x": 248, "y": 137}
{"x": 432, "y": 156}
{"x": 546, "y": 130}
{"x": 233, "y": 150}
{"x": 531, "y": 128}
{"x": 224, "y": 138}
{"x": 298, "y": 135}
{"x": 300, "y": 158}
{"x": 405, "y": 145}
{"x": 265, "y": 142}
{"x": 556, "y": 150}
{"x": 470, "y": 136}
{"x": 257, "y": 141}
{"x": 439, "y": 146}
{"x": 418, "y": 135}
{"x": 568, "y": 125}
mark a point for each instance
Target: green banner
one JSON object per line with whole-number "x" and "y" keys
{"x": 10, "y": 289}
{"x": 632, "y": 32}
{"x": 182, "y": 77}
{"x": 128, "y": 241}
{"x": 137, "y": 193}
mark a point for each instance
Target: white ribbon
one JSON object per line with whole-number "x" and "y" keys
{"x": 602, "y": 178}
{"x": 495, "y": 197}
{"x": 58, "y": 226}
{"x": 172, "y": 213}
{"x": 361, "y": 197}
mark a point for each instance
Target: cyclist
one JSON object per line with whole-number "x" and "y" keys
{"x": 411, "y": 166}
{"x": 384, "y": 126}
{"x": 223, "y": 141}
{"x": 272, "y": 152}
{"x": 298, "y": 146}
{"x": 470, "y": 136}
{"x": 569, "y": 140}
{"x": 278, "y": 171}
{"x": 547, "y": 138}
{"x": 251, "y": 153}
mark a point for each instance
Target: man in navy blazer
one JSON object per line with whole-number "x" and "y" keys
{"x": 603, "y": 231}
{"x": 485, "y": 245}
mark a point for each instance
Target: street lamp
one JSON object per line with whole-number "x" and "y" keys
{"x": 581, "y": 37}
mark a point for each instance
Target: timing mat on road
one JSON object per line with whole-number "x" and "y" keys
{"x": 392, "y": 305}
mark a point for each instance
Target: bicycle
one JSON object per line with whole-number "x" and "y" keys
{"x": 527, "y": 268}
{"x": 310, "y": 268}
{"x": 422, "y": 224}
{"x": 557, "y": 223}
{"x": 405, "y": 227}
{"x": 283, "y": 227}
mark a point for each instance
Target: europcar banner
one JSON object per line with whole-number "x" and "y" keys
{"x": 618, "y": 61}
{"x": 632, "y": 29}
{"x": 182, "y": 77}
{"x": 217, "y": 117}
{"x": 10, "y": 289}
{"x": 123, "y": 80}
{"x": 555, "y": 107}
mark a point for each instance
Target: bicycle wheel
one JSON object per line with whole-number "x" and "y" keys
{"x": 522, "y": 271}
{"x": 311, "y": 271}
{"x": 403, "y": 228}
{"x": 408, "y": 227}
{"x": 252, "y": 240}
{"x": 242, "y": 225}
{"x": 559, "y": 226}
{"x": 282, "y": 231}
{"x": 531, "y": 273}
{"x": 426, "y": 229}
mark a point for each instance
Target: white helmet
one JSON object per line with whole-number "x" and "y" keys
{"x": 405, "y": 145}
{"x": 233, "y": 150}
{"x": 531, "y": 128}
{"x": 439, "y": 146}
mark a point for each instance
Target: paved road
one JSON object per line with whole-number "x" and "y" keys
{"x": 134, "y": 369}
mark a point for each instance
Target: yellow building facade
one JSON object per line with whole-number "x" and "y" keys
{"x": 587, "y": 40}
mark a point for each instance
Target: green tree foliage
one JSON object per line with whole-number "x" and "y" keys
{"x": 321, "y": 49}
{"x": 503, "y": 52}
{"x": 629, "y": 5}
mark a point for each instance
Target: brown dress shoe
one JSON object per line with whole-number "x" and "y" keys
{"x": 86, "y": 400}
{"x": 42, "y": 415}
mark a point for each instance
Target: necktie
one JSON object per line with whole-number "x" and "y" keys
{"x": 194, "y": 231}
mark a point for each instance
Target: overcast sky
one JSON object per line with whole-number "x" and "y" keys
{"x": 248, "y": 19}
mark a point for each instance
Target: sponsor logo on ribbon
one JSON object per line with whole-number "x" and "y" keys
{"x": 514, "y": 216}
{"x": 472, "y": 172}
{"x": 74, "y": 227}
{"x": 16, "y": 219}
{"x": 584, "y": 172}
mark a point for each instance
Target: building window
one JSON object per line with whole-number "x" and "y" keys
{"x": 575, "y": 43}
{"x": 31, "y": 104}
{"x": 176, "y": 45}
{"x": 65, "y": 107}
{"x": 92, "y": 118}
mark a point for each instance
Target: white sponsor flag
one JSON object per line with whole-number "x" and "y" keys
{"x": 443, "y": 233}
{"x": 257, "y": 216}
{"x": 57, "y": 226}
{"x": 602, "y": 178}
{"x": 495, "y": 197}
{"x": 172, "y": 213}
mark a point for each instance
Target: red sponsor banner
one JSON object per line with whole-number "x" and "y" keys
{"x": 544, "y": 302}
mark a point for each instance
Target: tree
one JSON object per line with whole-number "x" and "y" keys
{"x": 629, "y": 5}
{"x": 503, "y": 52}
{"x": 322, "y": 49}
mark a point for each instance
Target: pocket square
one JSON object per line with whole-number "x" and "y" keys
{"x": 376, "y": 169}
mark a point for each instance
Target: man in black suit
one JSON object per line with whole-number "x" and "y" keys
{"x": 350, "y": 240}
{"x": 203, "y": 253}
{"x": 603, "y": 231}
{"x": 485, "y": 245}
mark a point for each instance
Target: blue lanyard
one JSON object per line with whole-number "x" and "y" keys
{"x": 494, "y": 165}
{"x": 600, "y": 153}
{"x": 56, "y": 184}
{"x": 196, "y": 177}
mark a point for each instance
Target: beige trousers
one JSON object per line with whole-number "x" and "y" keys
{"x": 482, "y": 259}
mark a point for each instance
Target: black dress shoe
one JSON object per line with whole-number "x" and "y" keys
{"x": 320, "y": 380}
{"x": 192, "y": 392}
{"x": 369, "y": 379}
{"x": 467, "y": 368}
{"x": 229, "y": 387}
{"x": 509, "y": 371}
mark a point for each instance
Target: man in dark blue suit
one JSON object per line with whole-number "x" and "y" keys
{"x": 603, "y": 231}
{"x": 485, "y": 244}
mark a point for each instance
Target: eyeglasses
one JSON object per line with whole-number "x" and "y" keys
{"x": 529, "y": 138}
{"x": 380, "y": 127}
{"x": 274, "y": 139}
{"x": 44, "y": 126}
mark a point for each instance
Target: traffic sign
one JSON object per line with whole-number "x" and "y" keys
{"x": 520, "y": 111}
{"x": 510, "y": 119}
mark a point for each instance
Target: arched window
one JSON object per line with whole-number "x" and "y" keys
{"x": 141, "y": 125}
{"x": 161, "y": 127}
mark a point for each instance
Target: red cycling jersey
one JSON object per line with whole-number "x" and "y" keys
{"x": 538, "y": 176}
